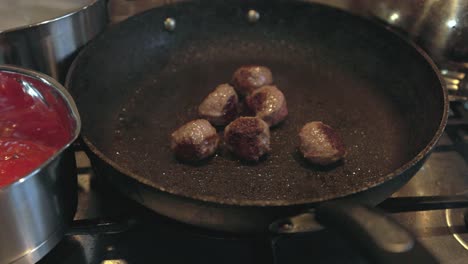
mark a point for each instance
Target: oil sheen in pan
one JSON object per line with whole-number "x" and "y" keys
{"x": 372, "y": 128}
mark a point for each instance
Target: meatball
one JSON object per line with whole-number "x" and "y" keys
{"x": 320, "y": 144}
{"x": 247, "y": 79}
{"x": 248, "y": 138}
{"x": 221, "y": 106}
{"x": 269, "y": 104}
{"x": 195, "y": 140}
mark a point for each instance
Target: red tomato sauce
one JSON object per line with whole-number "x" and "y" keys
{"x": 20, "y": 157}
{"x": 33, "y": 125}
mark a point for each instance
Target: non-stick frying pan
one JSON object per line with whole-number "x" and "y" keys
{"x": 140, "y": 80}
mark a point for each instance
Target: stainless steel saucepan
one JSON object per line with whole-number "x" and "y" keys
{"x": 45, "y": 35}
{"x": 35, "y": 210}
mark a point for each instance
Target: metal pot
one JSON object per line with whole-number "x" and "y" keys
{"x": 35, "y": 210}
{"x": 440, "y": 27}
{"x": 46, "y": 35}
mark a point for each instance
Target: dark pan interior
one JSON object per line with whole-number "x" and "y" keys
{"x": 137, "y": 82}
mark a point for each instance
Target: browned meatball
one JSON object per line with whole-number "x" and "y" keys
{"x": 195, "y": 140}
{"x": 320, "y": 144}
{"x": 247, "y": 79}
{"x": 248, "y": 138}
{"x": 221, "y": 106}
{"x": 269, "y": 104}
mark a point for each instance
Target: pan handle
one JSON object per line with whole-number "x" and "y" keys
{"x": 378, "y": 236}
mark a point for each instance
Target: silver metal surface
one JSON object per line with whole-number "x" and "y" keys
{"x": 36, "y": 209}
{"x": 301, "y": 223}
{"x": 170, "y": 24}
{"x": 444, "y": 173}
{"x": 440, "y": 26}
{"x": 253, "y": 16}
{"x": 458, "y": 98}
{"x": 397, "y": 241}
{"x": 49, "y": 43}
{"x": 16, "y": 14}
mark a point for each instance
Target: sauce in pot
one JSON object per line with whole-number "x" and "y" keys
{"x": 32, "y": 127}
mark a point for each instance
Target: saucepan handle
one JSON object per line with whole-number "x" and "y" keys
{"x": 379, "y": 237}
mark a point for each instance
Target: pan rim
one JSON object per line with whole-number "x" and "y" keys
{"x": 299, "y": 202}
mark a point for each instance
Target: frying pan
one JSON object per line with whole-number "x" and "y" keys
{"x": 143, "y": 78}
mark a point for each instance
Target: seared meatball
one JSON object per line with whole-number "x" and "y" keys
{"x": 221, "y": 106}
{"x": 269, "y": 104}
{"x": 248, "y": 138}
{"x": 320, "y": 144}
{"x": 247, "y": 79}
{"x": 195, "y": 140}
